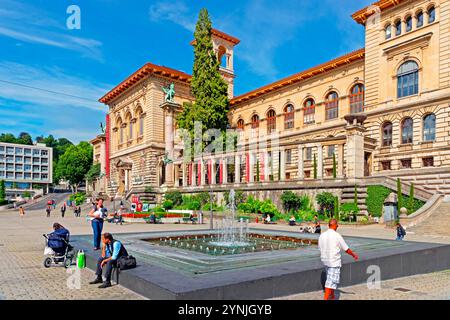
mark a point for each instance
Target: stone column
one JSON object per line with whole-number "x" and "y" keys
{"x": 169, "y": 140}
{"x": 202, "y": 172}
{"x": 194, "y": 173}
{"x": 224, "y": 171}
{"x": 282, "y": 165}
{"x": 251, "y": 172}
{"x": 266, "y": 167}
{"x": 319, "y": 161}
{"x": 300, "y": 171}
{"x": 183, "y": 165}
{"x": 355, "y": 151}
{"x": 340, "y": 164}
{"x": 176, "y": 175}
{"x": 213, "y": 171}
{"x": 126, "y": 180}
{"x": 237, "y": 169}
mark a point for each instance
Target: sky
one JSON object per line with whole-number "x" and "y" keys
{"x": 51, "y": 76}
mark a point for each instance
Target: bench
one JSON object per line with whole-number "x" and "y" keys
{"x": 187, "y": 220}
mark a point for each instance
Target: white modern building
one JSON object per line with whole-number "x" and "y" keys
{"x": 25, "y": 167}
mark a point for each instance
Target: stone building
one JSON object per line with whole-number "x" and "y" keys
{"x": 375, "y": 114}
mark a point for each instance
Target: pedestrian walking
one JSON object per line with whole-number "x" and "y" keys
{"x": 63, "y": 210}
{"x": 78, "y": 211}
{"x": 97, "y": 215}
{"x": 21, "y": 211}
{"x": 401, "y": 232}
{"x": 330, "y": 244}
{"x": 48, "y": 211}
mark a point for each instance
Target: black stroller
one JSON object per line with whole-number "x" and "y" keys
{"x": 56, "y": 254}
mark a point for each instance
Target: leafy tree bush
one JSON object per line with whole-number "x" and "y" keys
{"x": 315, "y": 167}
{"x": 27, "y": 194}
{"x": 148, "y": 189}
{"x": 375, "y": 199}
{"x": 79, "y": 198}
{"x": 175, "y": 197}
{"x": 348, "y": 210}
{"x": 334, "y": 166}
{"x": 167, "y": 204}
{"x": 2, "y": 192}
{"x": 253, "y": 205}
{"x": 326, "y": 202}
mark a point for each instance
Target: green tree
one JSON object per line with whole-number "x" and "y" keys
{"x": 7, "y": 138}
{"x": 257, "y": 170}
{"x": 24, "y": 138}
{"x": 74, "y": 164}
{"x": 411, "y": 198}
{"x": 399, "y": 195}
{"x": 2, "y": 191}
{"x": 207, "y": 85}
{"x": 94, "y": 172}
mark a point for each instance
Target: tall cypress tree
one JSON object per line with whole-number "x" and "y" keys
{"x": 399, "y": 195}
{"x": 208, "y": 87}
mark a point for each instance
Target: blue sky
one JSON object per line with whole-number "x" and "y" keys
{"x": 278, "y": 38}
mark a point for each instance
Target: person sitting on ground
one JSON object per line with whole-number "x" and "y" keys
{"x": 112, "y": 250}
{"x": 267, "y": 218}
{"x": 318, "y": 228}
{"x": 401, "y": 233}
{"x": 57, "y": 237}
{"x": 191, "y": 218}
{"x": 292, "y": 221}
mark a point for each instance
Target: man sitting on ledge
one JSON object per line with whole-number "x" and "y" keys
{"x": 111, "y": 251}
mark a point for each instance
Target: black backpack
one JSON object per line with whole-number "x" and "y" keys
{"x": 125, "y": 261}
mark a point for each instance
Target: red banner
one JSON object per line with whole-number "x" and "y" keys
{"x": 107, "y": 144}
{"x": 221, "y": 172}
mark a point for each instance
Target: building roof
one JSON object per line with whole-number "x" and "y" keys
{"x": 222, "y": 35}
{"x": 362, "y": 15}
{"x": 145, "y": 70}
{"x": 322, "y": 68}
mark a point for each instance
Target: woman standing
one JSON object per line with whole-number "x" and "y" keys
{"x": 96, "y": 215}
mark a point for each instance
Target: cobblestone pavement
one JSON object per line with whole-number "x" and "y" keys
{"x": 432, "y": 286}
{"x": 22, "y": 275}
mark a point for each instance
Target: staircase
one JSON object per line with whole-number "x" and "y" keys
{"x": 437, "y": 224}
{"x": 348, "y": 196}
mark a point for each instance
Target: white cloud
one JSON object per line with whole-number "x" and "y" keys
{"x": 175, "y": 11}
{"x": 30, "y": 24}
{"x": 52, "y": 80}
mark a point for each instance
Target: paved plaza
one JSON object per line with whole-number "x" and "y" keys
{"x": 24, "y": 277}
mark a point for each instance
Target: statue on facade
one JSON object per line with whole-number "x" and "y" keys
{"x": 102, "y": 128}
{"x": 166, "y": 159}
{"x": 170, "y": 93}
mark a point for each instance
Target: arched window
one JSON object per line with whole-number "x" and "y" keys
{"x": 222, "y": 57}
{"x": 398, "y": 27}
{"x": 240, "y": 127}
{"x": 309, "y": 110}
{"x": 240, "y": 124}
{"x": 387, "y": 134}
{"x": 141, "y": 122}
{"x": 431, "y": 15}
{"x": 129, "y": 122}
{"x": 357, "y": 98}
{"x": 429, "y": 127}
{"x": 121, "y": 128}
{"x": 407, "y": 130}
{"x": 388, "y": 32}
{"x": 271, "y": 121}
{"x": 255, "y": 125}
{"x": 289, "y": 117}
{"x": 408, "y": 79}
{"x": 331, "y": 106}
{"x": 408, "y": 22}
{"x": 419, "y": 19}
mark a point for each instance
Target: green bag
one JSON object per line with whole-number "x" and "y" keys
{"x": 81, "y": 260}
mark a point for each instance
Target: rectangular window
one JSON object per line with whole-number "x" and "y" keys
{"x": 308, "y": 155}
{"x": 405, "y": 163}
{"x": 331, "y": 151}
{"x": 288, "y": 156}
{"x": 386, "y": 165}
{"x": 331, "y": 108}
{"x": 428, "y": 162}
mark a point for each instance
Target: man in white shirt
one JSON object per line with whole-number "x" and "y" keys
{"x": 330, "y": 244}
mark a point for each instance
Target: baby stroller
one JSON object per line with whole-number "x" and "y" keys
{"x": 57, "y": 250}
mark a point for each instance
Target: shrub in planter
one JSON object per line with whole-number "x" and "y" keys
{"x": 326, "y": 202}
{"x": 175, "y": 197}
{"x": 167, "y": 204}
{"x": 348, "y": 210}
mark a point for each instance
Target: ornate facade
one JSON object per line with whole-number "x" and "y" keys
{"x": 381, "y": 111}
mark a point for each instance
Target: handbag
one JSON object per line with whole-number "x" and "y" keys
{"x": 126, "y": 262}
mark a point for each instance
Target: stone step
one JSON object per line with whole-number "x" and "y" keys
{"x": 352, "y": 196}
